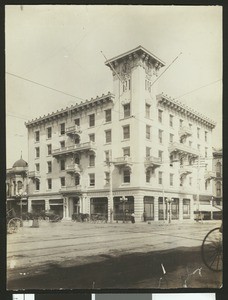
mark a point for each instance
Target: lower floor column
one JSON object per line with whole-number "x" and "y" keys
{"x": 181, "y": 209}
{"x": 47, "y": 206}
{"x": 192, "y": 209}
{"x": 155, "y": 208}
{"x": 138, "y": 207}
{"x": 29, "y": 205}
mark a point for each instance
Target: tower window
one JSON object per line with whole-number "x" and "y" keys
{"x": 127, "y": 110}
{"x": 126, "y": 132}
{"x": 147, "y": 110}
{"x": 108, "y": 136}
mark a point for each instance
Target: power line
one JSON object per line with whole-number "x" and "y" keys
{"x": 198, "y": 89}
{"x": 45, "y": 86}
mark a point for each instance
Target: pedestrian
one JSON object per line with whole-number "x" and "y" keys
{"x": 144, "y": 216}
{"x": 132, "y": 218}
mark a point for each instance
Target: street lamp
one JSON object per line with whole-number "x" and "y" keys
{"x": 169, "y": 201}
{"x": 123, "y": 200}
{"x": 20, "y": 195}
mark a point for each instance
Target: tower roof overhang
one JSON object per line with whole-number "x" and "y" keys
{"x": 138, "y": 51}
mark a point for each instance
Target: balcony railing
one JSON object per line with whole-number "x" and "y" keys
{"x": 71, "y": 188}
{"x": 154, "y": 162}
{"x": 185, "y": 131}
{"x": 33, "y": 174}
{"x": 185, "y": 170}
{"x": 75, "y": 129}
{"x": 209, "y": 175}
{"x": 181, "y": 148}
{"x": 74, "y": 148}
{"x": 73, "y": 168}
{"x": 122, "y": 161}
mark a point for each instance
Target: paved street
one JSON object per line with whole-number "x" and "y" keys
{"x": 86, "y": 256}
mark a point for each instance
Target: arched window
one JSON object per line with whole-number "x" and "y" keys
{"x": 19, "y": 186}
{"x": 218, "y": 169}
{"x": 77, "y": 139}
{"x": 218, "y": 188}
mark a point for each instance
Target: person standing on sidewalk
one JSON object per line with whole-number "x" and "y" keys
{"x": 133, "y": 218}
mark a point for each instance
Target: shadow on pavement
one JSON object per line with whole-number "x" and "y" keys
{"x": 136, "y": 270}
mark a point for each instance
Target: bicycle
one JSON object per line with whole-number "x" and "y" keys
{"x": 212, "y": 249}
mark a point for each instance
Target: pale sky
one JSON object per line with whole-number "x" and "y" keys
{"x": 60, "y": 47}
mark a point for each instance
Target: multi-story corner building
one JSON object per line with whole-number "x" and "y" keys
{"x": 16, "y": 187}
{"x": 131, "y": 150}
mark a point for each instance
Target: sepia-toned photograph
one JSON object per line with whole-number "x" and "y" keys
{"x": 114, "y": 147}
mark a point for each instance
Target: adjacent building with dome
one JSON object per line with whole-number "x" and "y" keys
{"x": 132, "y": 150}
{"x": 17, "y": 187}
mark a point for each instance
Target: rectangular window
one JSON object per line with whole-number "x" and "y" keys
{"x": 37, "y": 185}
{"x": 37, "y": 136}
{"x": 160, "y": 177}
{"x": 206, "y": 185}
{"x": 190, "y": 181}
{"x": 126, "y": 132}
{"x": 206, "y": 150}
{"x": 171, "y": 179}
{"x": 148, "y": 176}
{"x": 37, "y": 149}
{"x": 107, "y": 155}
{"x": 126, "y": 151}
{"x": 62, "y": 164}
{"x": 126, "y": 176}
{"x": 92, "y": 179}
{"x": 171, "y": 138}
{"x": 49, "y": 132}
{"x": 108, "y": 115}
{"x": 62, "y": 181}
{"x": 108, "y": 136}
{"x": 160, "y": 116}
{"x": 92, "y": 120}
{"x": 49, "y": 183}
{"x": 49, "y": 165}
{"x": 92, "y": 160}
{"x": 171, "y": 120}
{"x": 77, "y": 179}
{"x": 181, "y": 123}
{"x": 62, "y": 144}
{"x": 147, "y": 132}
{"x": 107, "y": 177}
{"x": 125, "y": 86}
{"x": 49, "y": 150}
{"x": 205, "y": 136}
{"x": 92, "y": 137}
{"x": 77, "y": 122}
{"x": 198, "y": 132}
{"x": 127, "y": 110}
{"x": 160, "y": 155}
{"x": 147, "y": 110}
{"x": 160, "y": 136}
{"x": 37, "y": 167}
{"x": 62, "y": 128}
{"x": 148, "y": 151}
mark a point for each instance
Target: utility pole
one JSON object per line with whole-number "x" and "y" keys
{"x": 111, "y": 168}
